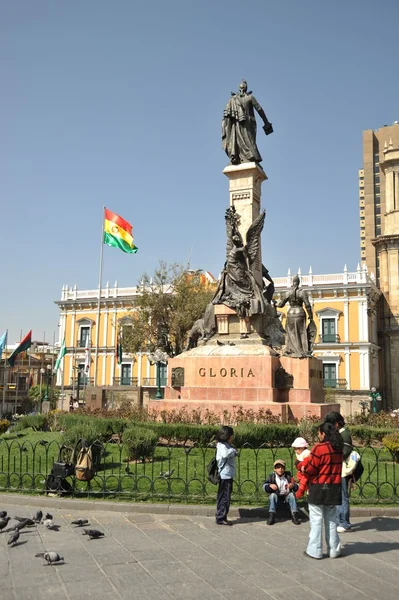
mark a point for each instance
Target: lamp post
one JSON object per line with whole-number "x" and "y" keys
{"x": 42, "y": 372}
{"x": 48, "y": 374}
{"x": 375, "y": 397}
{"x": 159, "y": 357}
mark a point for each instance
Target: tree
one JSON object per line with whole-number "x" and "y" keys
{"x": 53, "y": 395}
{"x": 168, "y": 305}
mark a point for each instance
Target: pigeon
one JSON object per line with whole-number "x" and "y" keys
{"x": 49, "y": 524}
{"x": 38, "y": 516}
{"x": 4, "y": 523}
{"x": 167, "y": 473}
{"x": 48, "y": 516}
{"x": 28, "y": 522}
{"x": 219, "y": 343}
{"x": 93, "y": 533}
{"x": 19, "y": 525}
{"x": 3, "y": 514}
{"x": 231, "y": 343}
{"x": 80, "y": 522}
{"x": 12, "y": 540}
{"x": 50, "y": 557}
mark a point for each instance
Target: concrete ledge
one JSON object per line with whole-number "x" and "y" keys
{"x": 204, "y": 510}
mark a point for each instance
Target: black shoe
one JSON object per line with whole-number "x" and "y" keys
{"x": 295, "y": 518}
{"x": 272, "y": 519}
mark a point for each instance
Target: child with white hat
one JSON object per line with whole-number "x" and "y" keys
{"x": 302, "y": 452}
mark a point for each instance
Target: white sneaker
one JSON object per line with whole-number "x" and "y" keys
{"x": 341, "y": 529}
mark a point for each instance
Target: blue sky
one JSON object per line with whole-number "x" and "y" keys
{"x": 120, "y": 103}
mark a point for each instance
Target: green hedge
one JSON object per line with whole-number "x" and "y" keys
{"x": 251, "y": 434}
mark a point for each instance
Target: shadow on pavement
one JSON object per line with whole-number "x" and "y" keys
{"x": 368, "y": 547}
{"x": 377, "y": 524}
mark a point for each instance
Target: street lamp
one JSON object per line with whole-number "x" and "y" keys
{"x": 159, "y": 357}
{"x": 48, "y": 369}
{"x": 375, "y": 397}
{"x": 42, "y": 372}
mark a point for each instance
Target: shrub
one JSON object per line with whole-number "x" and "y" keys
{"x": 4, "y": 425}
{"x": 366, "y": 435}
{"x": 391, "y": 442}
{"x": 86, "y": 431}
{"x": 140, "y": 442}
{"x": 37, "y": 422}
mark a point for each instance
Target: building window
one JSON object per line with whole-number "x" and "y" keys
{"x": 126, "y": 374}
{"x": 330, "y": 375}
{"x": 378, "y": 230}
{"x": 328, "y": 329}
{"x": 376, "y": 179}
{"x": 377, "y": 209}
{"x": 84, "y": 336}
{"x": 377, "y": 189}
{"x": 378, "y": 220}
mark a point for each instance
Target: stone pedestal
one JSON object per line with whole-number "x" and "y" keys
{"x": 245, "y": 182}
{"x": 218, "y": 378}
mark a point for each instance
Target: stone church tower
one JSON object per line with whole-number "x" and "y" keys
{"x": 387, "y": 247}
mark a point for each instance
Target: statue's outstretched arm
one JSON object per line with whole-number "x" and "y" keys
{"x": 260, "y": 110}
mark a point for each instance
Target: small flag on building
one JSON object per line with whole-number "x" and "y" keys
{"x": 119, "y": 349}
{"x": 118, "y": 233}
{"x": 60, "y": 356}
{"x": 3, "y": 343}
{"x": 23, "y": 346}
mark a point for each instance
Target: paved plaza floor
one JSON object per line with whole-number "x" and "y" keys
{"x": 156, "y": 556}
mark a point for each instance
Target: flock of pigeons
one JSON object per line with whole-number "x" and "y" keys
{"x": 26, "y": 522}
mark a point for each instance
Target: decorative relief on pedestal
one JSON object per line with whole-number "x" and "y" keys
{"x": 222, "y": 323}
{"x": 177, "y": 378}
{"x": 241, "y": 196}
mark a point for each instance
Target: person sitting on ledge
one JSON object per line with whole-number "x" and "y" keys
{"x": 281, "y": 487}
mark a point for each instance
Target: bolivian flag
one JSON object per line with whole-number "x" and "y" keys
{"x": 118, "y": 233}
{"x": 24, "y": 345}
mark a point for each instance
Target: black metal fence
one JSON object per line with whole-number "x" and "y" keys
{"x": 177, "y": 472}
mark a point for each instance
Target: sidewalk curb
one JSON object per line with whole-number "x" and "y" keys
{"x": 171, "y": 509}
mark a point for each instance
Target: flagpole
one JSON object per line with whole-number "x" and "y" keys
{"x": 5, "y": 379}
{"x": 62, "y": 385}
{"x": 100, "y": 278}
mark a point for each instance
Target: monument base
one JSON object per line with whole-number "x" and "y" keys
{"x": 219, "y": 377}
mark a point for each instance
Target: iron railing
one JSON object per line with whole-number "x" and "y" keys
{"x": 340, "y": 384}
{"x": 177, "y": 472}
{"x": 152, "y": 382}
{"x": 126, "y": 381}
{"x": 329, "y": 338}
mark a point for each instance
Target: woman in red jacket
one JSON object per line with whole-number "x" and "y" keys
{"x": 323, "y": 471}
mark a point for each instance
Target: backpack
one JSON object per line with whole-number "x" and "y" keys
{"x": 56, "y": 485}
{"x": 213, "y": 470}
{"x": 84, "y": 467}
{"x": 350, "y": 465}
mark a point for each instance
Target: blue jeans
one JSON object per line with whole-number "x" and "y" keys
{"x": 343, "y": 511}
{"x": 318, "y": 514}
{"x": 290, "y": 499}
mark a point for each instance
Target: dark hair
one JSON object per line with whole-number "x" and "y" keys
{"x": 332, "y": 435}
{"x": 334, "y": 417}
{"x": 224, "y": 433}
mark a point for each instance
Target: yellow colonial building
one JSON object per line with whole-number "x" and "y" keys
{"x": 344, "y": 308}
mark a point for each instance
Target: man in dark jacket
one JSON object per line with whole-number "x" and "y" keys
{"x": 281, "y": 487}
{"x": 343, "y": 510}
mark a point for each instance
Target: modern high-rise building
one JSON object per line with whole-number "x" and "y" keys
{"x": 372, "y": 192}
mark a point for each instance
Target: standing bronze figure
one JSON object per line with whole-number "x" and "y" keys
{"x": 239, "y": 127}
{"x": 299, "y": 339}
